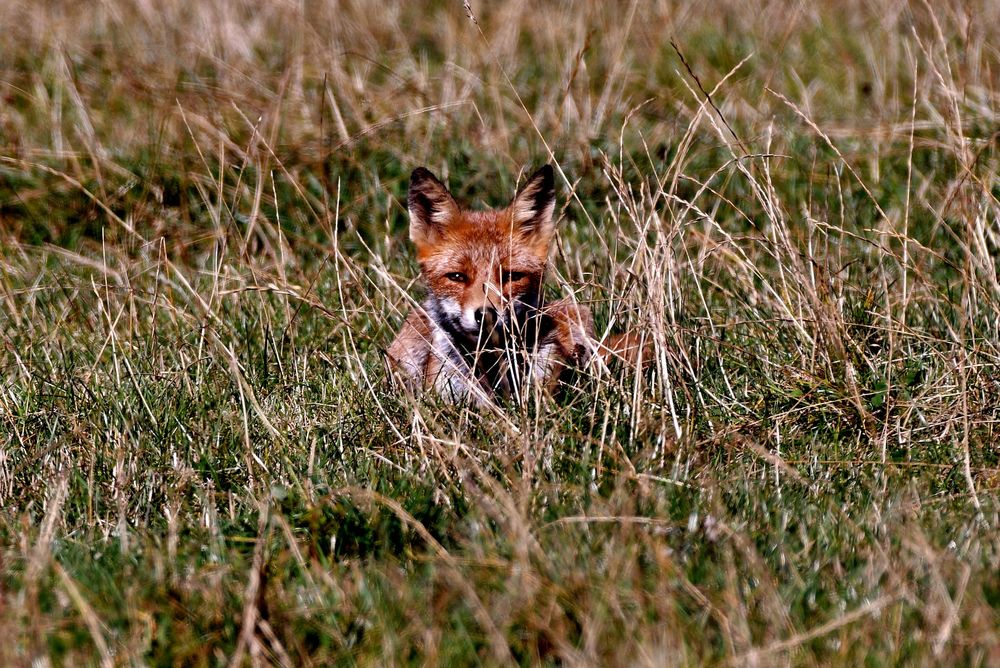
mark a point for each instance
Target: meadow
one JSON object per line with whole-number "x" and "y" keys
{"x": 204, "y": 255}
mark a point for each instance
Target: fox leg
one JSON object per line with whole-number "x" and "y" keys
{"x": 568, "y": 345}
{"x": 577, "y": 338}
{"x": 573, "y": 331}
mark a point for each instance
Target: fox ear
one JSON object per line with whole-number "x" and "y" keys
{"x": 431, "y": 207}
{"x": 531, "y": 210}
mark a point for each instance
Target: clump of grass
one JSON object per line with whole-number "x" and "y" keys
{"x": 204, "y": 256}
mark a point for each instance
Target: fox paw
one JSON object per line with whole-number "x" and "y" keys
{"x": 573, "y": 332}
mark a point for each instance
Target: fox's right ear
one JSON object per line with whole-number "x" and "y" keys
{"x": 431, "y": 207}
{"x": 532, "y": 208}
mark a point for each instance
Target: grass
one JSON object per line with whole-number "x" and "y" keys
{"x": 204, "y": 257}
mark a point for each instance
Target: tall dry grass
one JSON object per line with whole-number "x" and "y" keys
{"x": 204, "y": 255}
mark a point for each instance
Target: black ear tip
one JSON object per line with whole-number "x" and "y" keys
{"x": 421, "y": 174}
{"x": 547, "y": 177}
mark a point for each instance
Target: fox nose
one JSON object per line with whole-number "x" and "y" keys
{"x": 485, "y": 317}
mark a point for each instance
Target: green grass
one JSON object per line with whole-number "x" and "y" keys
{"x": 203, "y": 256}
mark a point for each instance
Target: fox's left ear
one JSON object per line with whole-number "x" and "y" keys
{"x": 532, "y": 208}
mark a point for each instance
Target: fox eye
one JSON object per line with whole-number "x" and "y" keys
{"x": 512, "y": 276}
{"x": 456, "y": 277}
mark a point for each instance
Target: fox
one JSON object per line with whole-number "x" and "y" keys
{"x": 484, "y": 332}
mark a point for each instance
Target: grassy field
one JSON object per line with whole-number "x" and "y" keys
{"x": 203, "y": 257}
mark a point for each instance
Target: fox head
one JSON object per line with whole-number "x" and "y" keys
{"x": 483, "y": 268}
